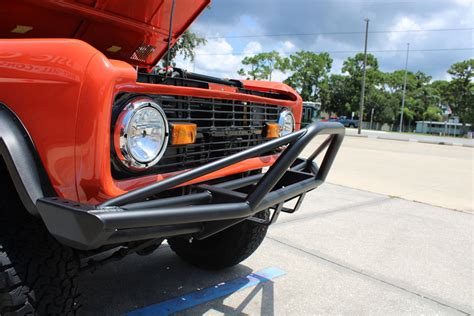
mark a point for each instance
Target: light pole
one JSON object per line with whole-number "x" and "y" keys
{"x": 404, "y": 88}
{"x": 371, "y": 117}
{"x": 362, "y": 97}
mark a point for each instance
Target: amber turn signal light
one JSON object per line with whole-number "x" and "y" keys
{"x": 183, "y": 133}
{"x": 272, "y": 130}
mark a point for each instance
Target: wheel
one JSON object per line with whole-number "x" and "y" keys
{"x": 38, "y": 276}
{"x": 224, "y": 249}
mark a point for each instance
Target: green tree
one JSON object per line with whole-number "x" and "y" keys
{"x": 461, "y": 90}
{"x": 185, "y": 46}
{"x": 385, "y": 105}
{"x": 261, "y": 65}
{"x": 441, "y": 91}
{"x": 393, "y": 81}
{"x": 339, "y": 95}
{"x": 353, "y": 67}
{"x": 388, "y": 109}
{"x": 420, "y": 94}
{"x": 433, "y": 113}
{"x": 309, "y": 74}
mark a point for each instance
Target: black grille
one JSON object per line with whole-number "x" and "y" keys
{"x": 224, "y": 127}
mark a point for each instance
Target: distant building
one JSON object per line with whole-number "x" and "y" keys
{"x": 451, "y": 128}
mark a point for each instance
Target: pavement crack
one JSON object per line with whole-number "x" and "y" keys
{"x": 404, "y": 198}
{"x": 365, "y": 274}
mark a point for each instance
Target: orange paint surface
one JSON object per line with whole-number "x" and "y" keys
{"x": 63, "y": 91}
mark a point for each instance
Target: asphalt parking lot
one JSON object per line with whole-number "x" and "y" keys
{"x": 346, "y": 251}
{"x": 433, "y": 174}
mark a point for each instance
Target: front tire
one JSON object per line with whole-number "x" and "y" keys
{"x": 224, "y": 249}
{"x": 38, "y": 276}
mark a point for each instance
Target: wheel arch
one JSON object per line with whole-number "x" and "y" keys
{"x": 21, "y": 161}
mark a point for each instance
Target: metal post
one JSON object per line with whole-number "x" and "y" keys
{"x": 371, "y": 117}
{"x": 362, "y": 97}
{"x": 404, "y": 89}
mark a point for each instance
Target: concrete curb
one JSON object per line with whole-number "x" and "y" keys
{"x": 414, "y": 140}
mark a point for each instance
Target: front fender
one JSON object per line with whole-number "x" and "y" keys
{"x": 22, "y": 162}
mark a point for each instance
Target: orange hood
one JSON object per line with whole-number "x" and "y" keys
{"x": 128, "y": 30}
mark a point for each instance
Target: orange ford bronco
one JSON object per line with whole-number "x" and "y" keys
{"x": 101, "y": 156}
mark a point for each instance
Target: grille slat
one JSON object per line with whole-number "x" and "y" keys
{"x": 207, "y": 111}
{"x": 218, "y": 120}
{"x": 219, "y": 143}
{"x": 239, "y": 128}
{"x": 211, "y": 151}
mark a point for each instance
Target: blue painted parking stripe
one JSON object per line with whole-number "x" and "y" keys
{"x": 206, "y": 295}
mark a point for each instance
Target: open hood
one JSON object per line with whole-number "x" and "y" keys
{"x": 135, "y": 31}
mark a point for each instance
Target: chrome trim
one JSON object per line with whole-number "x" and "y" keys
{"x": 120, "y": 134}
{"x": 281, "y": 121}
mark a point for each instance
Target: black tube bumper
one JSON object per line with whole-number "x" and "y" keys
{"x": 208, "y": 209}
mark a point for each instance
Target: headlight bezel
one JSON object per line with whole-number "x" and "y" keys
{"x": 282, "y": 121}
{"x": 121, "y": 130}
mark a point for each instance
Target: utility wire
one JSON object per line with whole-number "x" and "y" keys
{"x": 341, "y": 33}
{"x": 351, "y": 51}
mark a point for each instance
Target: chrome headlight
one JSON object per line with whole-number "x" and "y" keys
{"x": 286, "y": 120}
{"x": 141, "y": 134}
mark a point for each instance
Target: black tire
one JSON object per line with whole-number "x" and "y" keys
{"x": 38, "y": 276}
{"x": 224, "y": 249}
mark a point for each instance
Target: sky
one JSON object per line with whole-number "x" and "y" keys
{"x": 440, "y": 33}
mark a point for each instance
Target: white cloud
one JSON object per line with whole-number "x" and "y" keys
{"x": 253, "y": 48}
{"x": 337, "y": 65}
{"x": 184, "y": 64}
{"x": 248, "y": 17}
{"x": 286, "y": 47}
{"x": 279, "y": 76}
{"x": 464, "y": 3}
{"x": 217, "y": 58}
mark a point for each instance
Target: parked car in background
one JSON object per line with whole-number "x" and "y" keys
{"x": 343, "y": 120}
{"x": 347, "y": 122}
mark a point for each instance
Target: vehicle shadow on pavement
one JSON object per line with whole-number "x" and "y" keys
{"x": 137, "y": 282}
{"x": 266, "y": 298}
